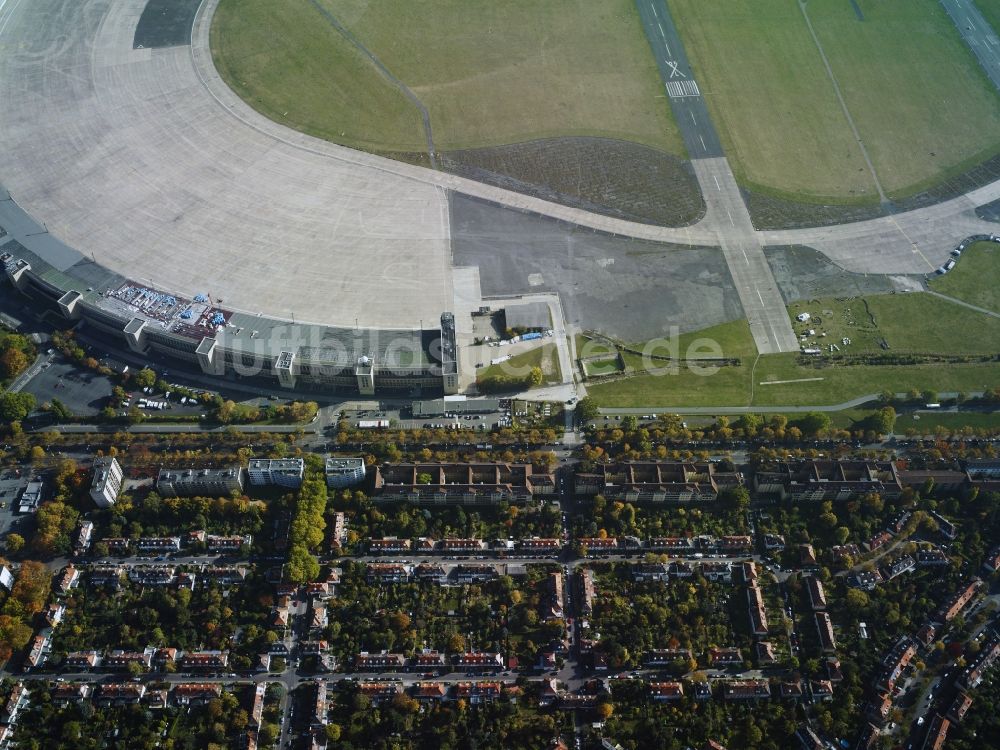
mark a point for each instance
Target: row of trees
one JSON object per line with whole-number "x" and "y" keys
{"x": 306, "y": 533}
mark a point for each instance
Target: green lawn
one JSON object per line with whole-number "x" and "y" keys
{"x": 975, "y": 278}
{"x": 545, "y": 357}
{"x": 288, "y": 63}
{"x": 929, "y": 421}
{"x": 908, "y": 322}
{"x": 922, "y": 105}
{"x": 489, "y": 73}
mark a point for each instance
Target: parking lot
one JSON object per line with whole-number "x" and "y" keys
{"x": 82, "y": 391}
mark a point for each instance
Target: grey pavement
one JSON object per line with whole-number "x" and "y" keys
{"x": 762, "y": 302}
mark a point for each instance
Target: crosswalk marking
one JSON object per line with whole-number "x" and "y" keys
{"x": 681, "y": 89}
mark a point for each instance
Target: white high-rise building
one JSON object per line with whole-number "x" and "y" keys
{"x": 344, "y": 472}
{"x": 108, "y": 477}
{"x": 284, "y": 472}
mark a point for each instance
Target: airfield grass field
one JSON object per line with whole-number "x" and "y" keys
{"x": 975, "y": 278}
{"x": 909, "y": 323}
{"x": 488, "y": 73}
{"x": 924, "y": 109}
{"x": 293, "y": 67}
{"x": 991, "y": 12}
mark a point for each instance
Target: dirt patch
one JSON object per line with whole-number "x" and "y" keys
{"x": 768, "y": 212}
{"x": 609, "y": 177}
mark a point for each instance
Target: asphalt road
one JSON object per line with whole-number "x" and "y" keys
{"x": 725, "y": 209}
{"x": 680, "y": 86}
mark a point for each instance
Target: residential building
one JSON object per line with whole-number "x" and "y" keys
{"x": 662, "y": 692}
{"x": 930, "y": 558}
{"x": 107, "y": 482}
{"x": 17, "y": 700}
{"x": 536, "y": 546}
{"x": 387, "y": 573}
{"x": 867, "y": 579}
{"x": 79, "y": 661}
{"x": 227, "y": 543}
{"x": 388, "y": 546}
{"x": 657, "y": 482}
{"x": 959, "y": 707}
{"x": 649, "y": 572}
{"x": 281, "y": 472}
{"x": 193, "y": 661}
{"x": 344, "y": 472}
{"x": 764, "y": 652}
{"x": 478, "y": 692}
{"x": 320, "y": 706}
{"x": 429, "y": 691}
{"x": 382, "y": 662}
{"x": 725, "y": 657}
{"x": 666, "y": 657}
{"x": 427, "y": 661}
{"x": 67, "y": 579}
{"x": 950, "y": 609}
{"x": 807, "y": 556}
{"x": 824, "y": 628}
{"x": 757, "y": 612}
{"x": 195, "y": 693}
{"x": 817, "y": 594}
{"x": 937, "y": 734}
{"x": 738, "y": 544}
{"x": 119, "y": 659}
{"x": 199, "y": 482}
{"x": 821, "y": 480}
{"x": 587, "y": 591}
{"x": 462, "y": 484}
{"x": 904, "y": 564}
{"x": 981, "y": 662}
{"x": 746, "y": 690}
{"x": 717, "y": 571}
{"x": 119, "y": 693}
{"x": 477, "y": 662}
{"x": 36, "y": 652}
{"x": 676, "y": 544}
{"x": 791, "y": 690}
{"x": 379, "y": 692}
{"x": 158, "y": 544}
{"x": 598, "y": 545}
{"x": 895, "y": 662}
{"x": 83, "y": 536}
{"x": 430, "y": 573}
{"x": 821, "y": 690}
{"x": 71, "y": 692}
{"x": 462, "y": 546}
{"x": 553, "y": 607}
